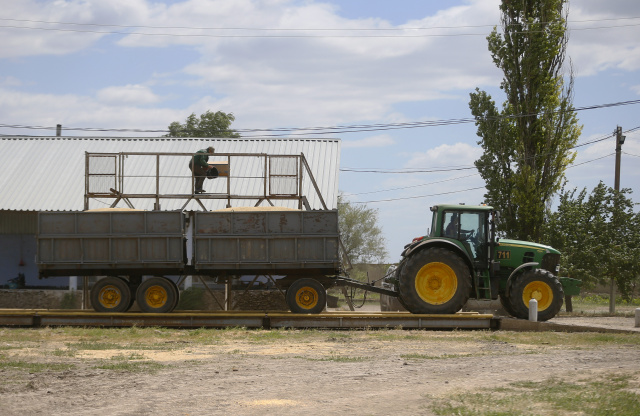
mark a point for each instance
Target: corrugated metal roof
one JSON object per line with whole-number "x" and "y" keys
{"x": 48, "y": 173}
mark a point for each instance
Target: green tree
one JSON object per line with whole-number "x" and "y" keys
{"x": 209, "y": 124}
{"x": 599, "y": 237}
{"x": 360, "y": 234}
{"x": 527, "y": 145}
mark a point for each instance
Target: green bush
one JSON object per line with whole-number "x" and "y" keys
{"x": 70, "y": 300}
{"x": 191, "y": 299}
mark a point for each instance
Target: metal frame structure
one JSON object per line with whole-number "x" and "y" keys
{"x": 107, "y": 177}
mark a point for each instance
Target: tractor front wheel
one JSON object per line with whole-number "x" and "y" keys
{"x": 506, "y": 305}
{"x": 540, "y": 285}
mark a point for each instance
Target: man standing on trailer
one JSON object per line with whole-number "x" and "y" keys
{"x": 201, "y": 167}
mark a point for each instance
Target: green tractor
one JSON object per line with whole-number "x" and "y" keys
{"x": 462, "y": 258}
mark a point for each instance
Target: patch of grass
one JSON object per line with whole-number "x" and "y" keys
{"x": 102, "y": 346}
{"x": 597, "y": 304}
{"x": 267, "y": 336}
{"x": 129, "y": 357}
{"x": 596, "y": 396}
{"x": 563, "y": 339}
{"x": 394, "y": 335}
{"x": 8, "y": 347}
{"x": 337, "y": 358}
{"x": 436, "y": 357}
{"x": 132, "y": 367}
{"x": 94, "y": 346}
{"x": 34, "y": 367}
{"x": 59, "y": 352}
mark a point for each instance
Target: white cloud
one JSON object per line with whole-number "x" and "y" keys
{"x": 612, "y": 45}
{"x": 128, "y": 94}
{"x": 455, "y": 155}
{"x": 275, "y": 82}
{"x": 72, "y": 110}
{"x": 323, "y": 80}
{"x": 373, "y": 141}
{"x": 30, "y": 34}
{"x": 10, "y": 81}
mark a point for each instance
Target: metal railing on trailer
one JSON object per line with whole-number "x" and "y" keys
{"x": 254, "y": 178}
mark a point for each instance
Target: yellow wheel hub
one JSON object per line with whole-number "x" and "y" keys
{"x": 539, "y": 291}
{"x": 436, "y": 283}
{"x": 156, "y": 296}
{"x": 110, "y": 296}
{"x": 307, "y": 297}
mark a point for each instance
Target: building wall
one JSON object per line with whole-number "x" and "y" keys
{"x": 18, "y": 222}
{"x": 18, "y": 255}
{"x": 18, "y": 249}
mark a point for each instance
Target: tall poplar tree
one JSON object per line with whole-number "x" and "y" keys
{"x": 527, "y": 145}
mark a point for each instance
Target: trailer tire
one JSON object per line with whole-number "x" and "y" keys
{"x": 111, "y": 294}
{"x": 306, "y": 296}
{"x": 540, "y": 285}
{"x": 157, "y": 295}
{"x": 434, "y": 280}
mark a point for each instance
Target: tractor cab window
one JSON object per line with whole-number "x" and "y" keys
{"x": 468, "y": 227}
{"x": 434, "y": 221}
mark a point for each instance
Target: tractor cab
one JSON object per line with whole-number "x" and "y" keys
{"x": 468, "y": 229}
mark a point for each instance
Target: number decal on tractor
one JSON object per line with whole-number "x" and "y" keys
{"x": 504, "y": 255}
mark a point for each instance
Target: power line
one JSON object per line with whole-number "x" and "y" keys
{"x": 340, "y": 129}
{"x": 409, "y": 125}
{"x": 311, "y": 29}
{"x": 589, "y": 161}
{"x": 466, "y": 190}
{"x": 262, "y": 36}
{"x": 419, "y": 196}
{"x": 433, "y": 170}
{"x": 467, "y": 167}
{"x": 411, "y": 186}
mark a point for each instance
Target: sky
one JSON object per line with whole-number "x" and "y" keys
{"x": 141, "y": 64}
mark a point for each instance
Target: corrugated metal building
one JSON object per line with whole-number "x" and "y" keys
{"x": 48, "y": 174}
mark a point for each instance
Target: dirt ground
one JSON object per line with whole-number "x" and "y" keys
{"x": 293, "y": 372}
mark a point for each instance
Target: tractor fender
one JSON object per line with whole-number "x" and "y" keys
{"x": 440, "y": 243}
{"x": 516, "y": 271}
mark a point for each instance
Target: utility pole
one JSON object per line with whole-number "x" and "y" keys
{"x": 619, "y": 142}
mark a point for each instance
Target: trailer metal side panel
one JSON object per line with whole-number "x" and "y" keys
{"x": 110, "y": 240}
{"x": 266, "y": 240}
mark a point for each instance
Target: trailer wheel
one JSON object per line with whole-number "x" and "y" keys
{"x": 111, "y": 294}
{"x": 434, "y": 280}
{"x": 540, "y": 285}
{"x": 157, "y": 295}
{"x": 306, "y": 296}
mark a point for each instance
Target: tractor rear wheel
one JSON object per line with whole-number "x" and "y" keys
{"x": 540, "y": 285}
{"x": 434, "y": 280}
{"x": 157, "y": 295}
{"x": 111, "y": 294}
{"x": 306, "y": 296}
